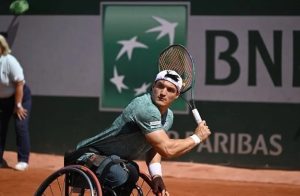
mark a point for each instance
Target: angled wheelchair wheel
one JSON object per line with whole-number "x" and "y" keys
{"x": 70, "y": 180}
{"x": 143, "y": 186}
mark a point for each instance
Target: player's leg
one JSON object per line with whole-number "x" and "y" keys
{"x": 133, "y": 176}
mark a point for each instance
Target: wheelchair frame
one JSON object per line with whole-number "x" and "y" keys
{"x": 80, "y": 180}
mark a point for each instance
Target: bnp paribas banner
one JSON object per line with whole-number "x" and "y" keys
{"x": 133, "y": 36}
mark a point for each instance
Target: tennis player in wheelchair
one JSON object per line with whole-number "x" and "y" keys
{"x": 139, "y": 131}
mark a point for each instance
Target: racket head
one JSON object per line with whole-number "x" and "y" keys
{"x": 176, "y": 57}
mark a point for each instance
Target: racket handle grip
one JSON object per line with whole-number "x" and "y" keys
{"x": 197, "y": 115}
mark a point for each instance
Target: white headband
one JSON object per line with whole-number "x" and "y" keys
{"x": 170, "y": 76}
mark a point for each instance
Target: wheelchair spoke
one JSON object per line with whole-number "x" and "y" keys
{"x": 79, "y": 180}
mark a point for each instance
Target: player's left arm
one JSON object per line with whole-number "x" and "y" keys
{"x": 153, "y": 160}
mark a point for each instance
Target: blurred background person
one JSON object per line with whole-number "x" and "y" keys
{"x": 15, "y": 101}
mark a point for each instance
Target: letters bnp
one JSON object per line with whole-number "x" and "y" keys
{"x": 275, "y": 57}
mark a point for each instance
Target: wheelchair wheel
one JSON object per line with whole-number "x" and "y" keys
{"x": 71, "y": 180}
{"x": 143, "y": 186}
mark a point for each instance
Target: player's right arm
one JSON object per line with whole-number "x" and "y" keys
{"x": 169, "y": 148}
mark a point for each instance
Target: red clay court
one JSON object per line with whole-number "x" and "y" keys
{"x": 181, "y": 178}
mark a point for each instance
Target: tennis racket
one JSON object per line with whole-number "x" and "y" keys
{"x": 176, "y": 57}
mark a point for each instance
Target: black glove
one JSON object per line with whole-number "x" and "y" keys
{"x": 158, "y": 184}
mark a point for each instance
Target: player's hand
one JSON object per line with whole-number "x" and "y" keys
{"x": 202, "y": 131}
{"x": 159, "y": 187}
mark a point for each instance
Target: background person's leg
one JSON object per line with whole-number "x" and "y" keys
{"x": 6, "y": 110}
{"x": 22, "y": 129}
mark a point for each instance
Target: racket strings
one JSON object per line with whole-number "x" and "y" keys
{"x": 178, "y": 59}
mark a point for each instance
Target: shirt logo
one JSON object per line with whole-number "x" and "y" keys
{"x": 155, "y": 124}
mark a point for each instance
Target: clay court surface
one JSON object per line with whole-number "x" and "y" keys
{"x": 181, "y": 178}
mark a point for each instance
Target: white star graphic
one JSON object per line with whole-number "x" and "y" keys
{"x": 141, "y": 89}
{"x": 165, "y": 28}
{"x": 128, "y": 46}
{"x": 118, "y": 81}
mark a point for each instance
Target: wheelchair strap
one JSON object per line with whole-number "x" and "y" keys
{"x": 71, "y": 157}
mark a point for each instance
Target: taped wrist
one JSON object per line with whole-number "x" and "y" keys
{"x": 196, "y": 138}
{"x": 158, "y": 184}
{"x": 155, "y": 169}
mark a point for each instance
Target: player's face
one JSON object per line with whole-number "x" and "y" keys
{"x": 164, "y": 93}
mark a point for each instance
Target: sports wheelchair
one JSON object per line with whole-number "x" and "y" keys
{"x": 80, "y": 180}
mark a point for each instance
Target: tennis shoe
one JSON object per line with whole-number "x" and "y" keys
{"x": 21, "y": 166}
